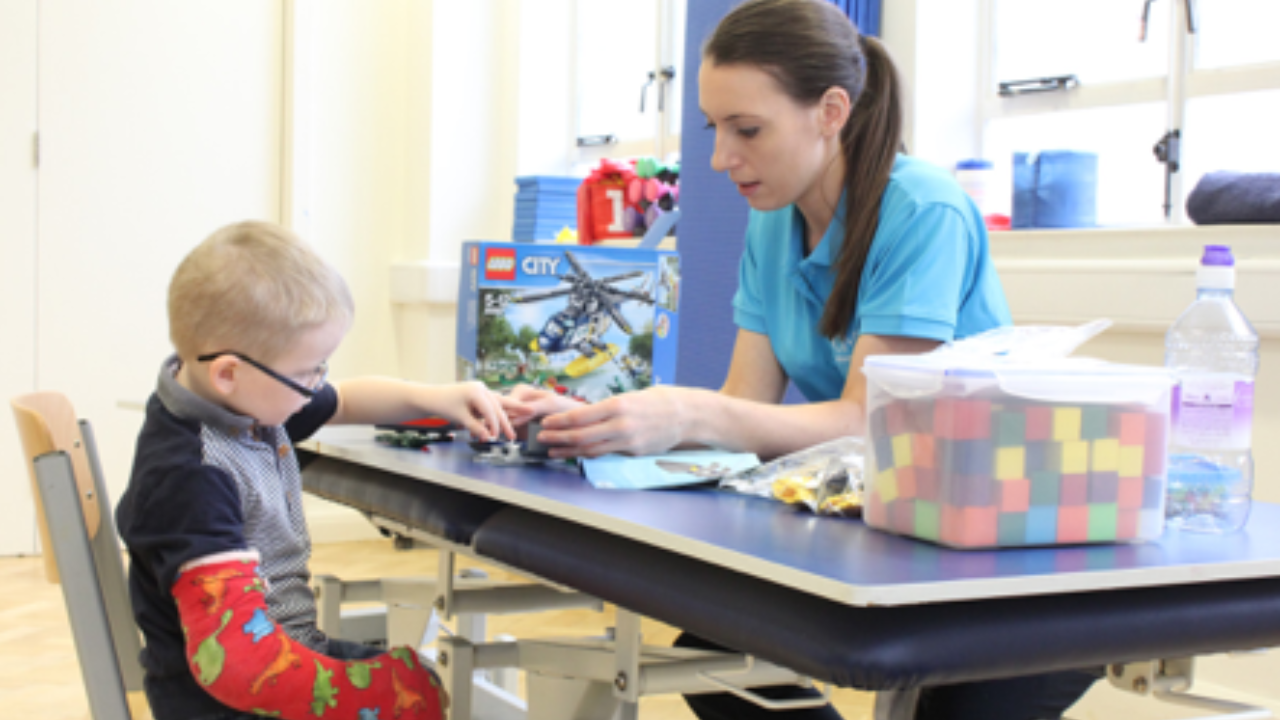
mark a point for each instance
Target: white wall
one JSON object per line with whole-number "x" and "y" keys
{"x": 17, "y": 260}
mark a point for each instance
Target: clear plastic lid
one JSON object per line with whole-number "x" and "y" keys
{"x": 1026, "y": 362}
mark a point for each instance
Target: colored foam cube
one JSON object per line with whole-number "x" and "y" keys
{"x": 886, "y": 484}
{"x": 1126, "y": 524}
{"x": 882, "y": 449}
{"x": 1011, "y": 528}
{"x": 970, "y": 491}
{"x": 1015, "y": 496}
{"x": 902, "y": 451}
{"x": 1039, "y": 422}
{"x": 876, "y": 425}
{"x": 979, "y": 527}
{"x": 944, "y": 455}
{"x": 1104, "y": 487}
{"x": 1046, "y": 488}
{"x": 920, "y": 416}
{"x": 922, "y": 450}
{"x": 946, "y": 418}
{"x": 1042, "y": 525}
{"x": 1011, "y": 463}
{"x": 1075, "y": 491}
{"x": 927, "y": 484}
{"x": 1073, "y": 524}
{"x": 949, "y": 530}
{"x": 1133, "y": 429}
{"x": 1155, "y": 448}
{"x": 1131, "y": 462}
{"x": 974, "y": 417}
{"x": 1066, "y": 423}
{"x": 1102, "y": 522}
{"x": 1075, "y": 457}
{"x": 1094, "y": 421}
{"x": 873, "y": 511}
{"x": 928, "y": 519}
{"x": 1129, "y": 494}
{"x": 1106, "y": 455}
{"x": 1037, "y": 456}
{"x": 906, "y": 477}
{"x": 902, "y": 516}
{"x": 1011, "y": 428}
{"x": 972, "y": 457}
{"x": 895, "y": 418}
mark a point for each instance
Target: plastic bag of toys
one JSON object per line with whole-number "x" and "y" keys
{"x": 825, "y": 478}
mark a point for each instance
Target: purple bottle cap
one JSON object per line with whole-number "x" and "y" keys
{"x": 1218, "y": 255}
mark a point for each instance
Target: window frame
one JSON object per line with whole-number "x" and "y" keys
{"x": 666, "y": 137}
{"x": 1180, "y": 84}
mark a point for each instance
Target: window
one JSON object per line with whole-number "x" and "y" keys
{"x": 1219, "y": 85}
{"x": 628, "y": 78}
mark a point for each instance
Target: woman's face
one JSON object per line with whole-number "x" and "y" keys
{"x": 772, "y": 147}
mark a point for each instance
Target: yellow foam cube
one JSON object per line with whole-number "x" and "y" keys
{"x": 1075, "y": 457}
{"x": 1066, "y": 424}
{"x": 1106, "y": 455}
{"x": 902, "y": 451}
{"x": 1131, "y": 461}
{"x": 887, "y": 486}
{"x": 1011, "y": 463}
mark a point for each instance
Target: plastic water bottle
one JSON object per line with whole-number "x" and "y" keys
{"x": 1214, "y": 352}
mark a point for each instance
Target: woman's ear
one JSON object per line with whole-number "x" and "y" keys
{"x": 833, "y": 111}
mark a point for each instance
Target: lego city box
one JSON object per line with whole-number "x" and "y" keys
{"x": 587, "y": 322}
{"x": 981, "y": 451}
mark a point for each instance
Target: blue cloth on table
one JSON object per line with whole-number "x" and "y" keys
{"x": 1227, "y": 197}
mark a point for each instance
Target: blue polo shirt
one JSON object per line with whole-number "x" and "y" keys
{"x": 928, "y": 275}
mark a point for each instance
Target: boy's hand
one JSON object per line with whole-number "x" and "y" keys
{"x": 478, "y": 409}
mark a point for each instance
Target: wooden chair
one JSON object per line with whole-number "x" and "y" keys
{"x": 81, "y": 551}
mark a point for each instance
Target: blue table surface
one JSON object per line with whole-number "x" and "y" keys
{"x": 839, "y": 559}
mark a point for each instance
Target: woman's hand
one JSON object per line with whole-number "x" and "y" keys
{"x": 534, "y": 402}
{"x": 637, "y": 423}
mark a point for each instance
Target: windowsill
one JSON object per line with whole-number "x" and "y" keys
{"x": 1140, "y": 278}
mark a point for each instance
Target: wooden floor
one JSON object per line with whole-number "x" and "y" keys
{"x": 40, "y": 677}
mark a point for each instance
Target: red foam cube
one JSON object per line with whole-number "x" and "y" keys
{"x": 1133, "y": 429}
{"x": 1039, "y": 423}
{"x": 979, "y": 527}
{"x": 1074, "y": 491}
{"x": 1015, "y": 496}
{"x": 1130, "y": 497}
{"x": 1073, "y": 524}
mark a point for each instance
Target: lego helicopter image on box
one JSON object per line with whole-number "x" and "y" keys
{"x": 593, "y": 305}
{"x": 586, "y": 322}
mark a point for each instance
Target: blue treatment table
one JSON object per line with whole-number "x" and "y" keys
{"x": 829, "y": 598}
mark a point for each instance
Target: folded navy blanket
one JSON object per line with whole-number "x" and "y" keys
{"x": 1225, "y": 197}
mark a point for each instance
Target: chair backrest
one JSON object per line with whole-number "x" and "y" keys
{"x": 47, "y": 423}
{"x": 80, "y": 543}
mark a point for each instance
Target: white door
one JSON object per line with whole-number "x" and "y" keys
{"x": 17, "y": 261}
{"x": 159, "y": 122}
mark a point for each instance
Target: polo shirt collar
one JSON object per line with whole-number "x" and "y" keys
{"x": 187, "y": 405}
{"x": 814, "y": 271}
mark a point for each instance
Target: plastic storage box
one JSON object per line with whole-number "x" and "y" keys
{"x": 971, "y": 452}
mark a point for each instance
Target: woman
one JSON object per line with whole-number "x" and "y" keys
{"x": 852, "y": 250}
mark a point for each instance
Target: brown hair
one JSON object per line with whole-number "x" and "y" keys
{"x": 252, "y": 287}
{"x": 809, "y": 47}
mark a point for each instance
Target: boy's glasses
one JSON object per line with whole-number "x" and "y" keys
{"x": 307, "y": 390}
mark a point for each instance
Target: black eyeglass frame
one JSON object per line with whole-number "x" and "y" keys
{"x": 297, "y": 387}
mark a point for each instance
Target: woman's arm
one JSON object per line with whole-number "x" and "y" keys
{"x": 744, "y": 416}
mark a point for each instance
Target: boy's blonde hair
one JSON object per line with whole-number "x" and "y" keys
{"x": 252, "y": 287}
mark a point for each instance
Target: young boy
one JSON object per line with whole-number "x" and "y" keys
{"x": 213, "y": 516}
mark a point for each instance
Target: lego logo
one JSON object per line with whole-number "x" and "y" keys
{"x": 500, "y": 264}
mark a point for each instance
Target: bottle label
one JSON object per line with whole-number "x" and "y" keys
{"x": 1213, "y": 413}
